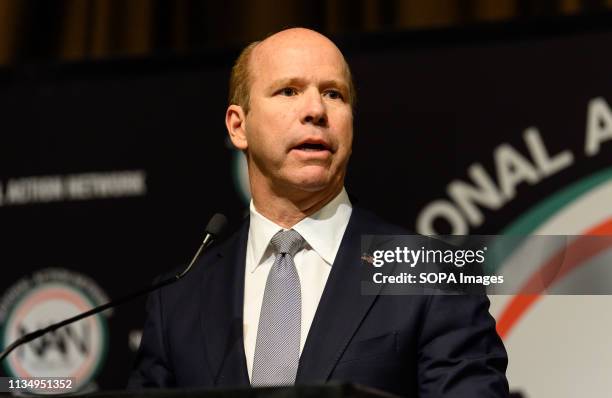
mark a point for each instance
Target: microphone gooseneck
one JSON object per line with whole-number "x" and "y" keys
{"x": 214, "y": 228}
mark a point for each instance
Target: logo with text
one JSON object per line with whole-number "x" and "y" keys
{"x": 48, "y": 296}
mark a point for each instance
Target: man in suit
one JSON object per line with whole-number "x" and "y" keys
{"x": 280, "y": 301}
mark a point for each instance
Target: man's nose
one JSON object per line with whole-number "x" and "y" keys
{"x": 313, "y": 108}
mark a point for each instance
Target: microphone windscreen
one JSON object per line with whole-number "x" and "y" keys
{"x": 217, "y": 224}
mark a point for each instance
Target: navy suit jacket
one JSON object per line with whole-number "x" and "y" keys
{"x": 417, "y": 345}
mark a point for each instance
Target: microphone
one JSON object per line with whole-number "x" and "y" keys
{"x": 214, "y": 228}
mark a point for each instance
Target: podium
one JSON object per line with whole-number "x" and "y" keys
{"x": 331, "y": 390}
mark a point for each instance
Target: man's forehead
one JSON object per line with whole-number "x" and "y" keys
{"x": 296, "y": 37}
{"x": 289, "y": 47}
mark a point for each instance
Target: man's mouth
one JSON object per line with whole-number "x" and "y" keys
{"x": 312, "y": 147}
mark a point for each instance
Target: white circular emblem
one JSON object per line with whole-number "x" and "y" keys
{"x": 75, "y": 350}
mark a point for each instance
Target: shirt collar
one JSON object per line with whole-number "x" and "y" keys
{"x": 323, "y": 230}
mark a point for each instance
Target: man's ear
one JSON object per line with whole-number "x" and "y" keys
{"x": 235, "y": 121}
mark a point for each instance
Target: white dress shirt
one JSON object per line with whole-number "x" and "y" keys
{"x": 323, "y": 232}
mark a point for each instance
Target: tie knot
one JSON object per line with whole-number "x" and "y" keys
{"x": 289, "y": 242}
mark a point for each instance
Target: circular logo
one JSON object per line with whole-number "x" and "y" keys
{"x": 557, "y": 331}
{"x": 75, "y": 350}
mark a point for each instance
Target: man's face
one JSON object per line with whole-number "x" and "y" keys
{"x": 299, "y": 128}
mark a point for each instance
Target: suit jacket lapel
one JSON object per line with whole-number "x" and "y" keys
{"x": 341, "y": 309}
{"x": 222, "y": 317}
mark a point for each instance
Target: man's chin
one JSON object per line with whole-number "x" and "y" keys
{"x": 312, "y": 180}
{"x": 313, "y": 188}
{"x": 311, "y": 184}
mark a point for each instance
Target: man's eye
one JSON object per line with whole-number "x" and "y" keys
{"x": 334, "y": 94}
{"x": 287, "y": 91}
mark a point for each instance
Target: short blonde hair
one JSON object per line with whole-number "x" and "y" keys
{"x": 240, "y": 80}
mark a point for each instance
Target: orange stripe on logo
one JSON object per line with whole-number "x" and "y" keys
{"x": 577, "y": 253}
